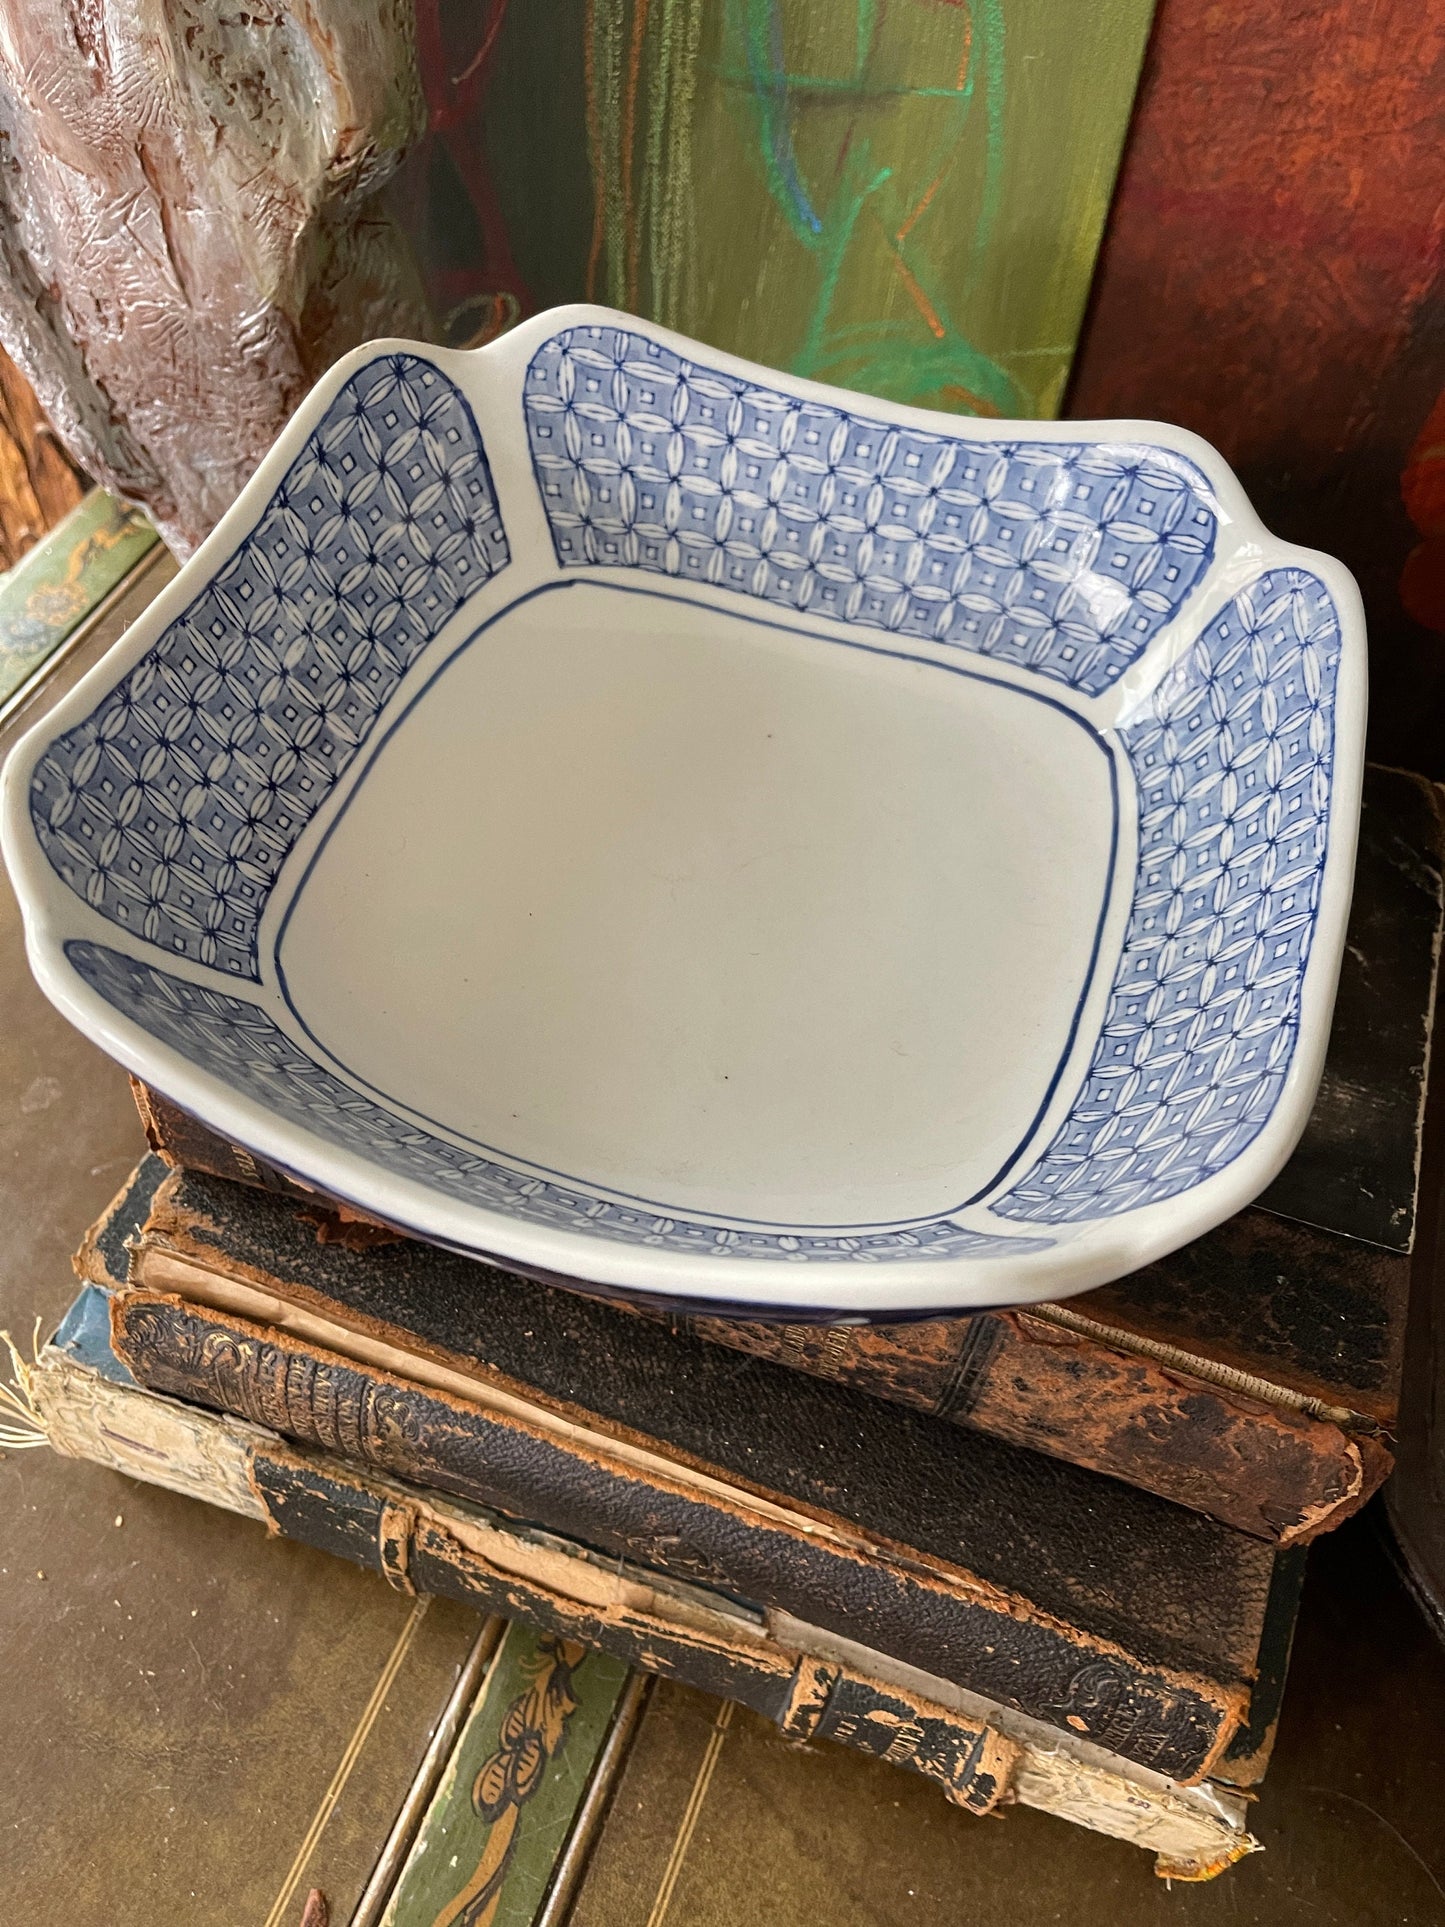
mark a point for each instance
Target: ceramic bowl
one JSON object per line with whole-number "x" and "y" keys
{"x": 611, "y": 808}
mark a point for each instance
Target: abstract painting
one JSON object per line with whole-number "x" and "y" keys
{"x": 900, "y": 196}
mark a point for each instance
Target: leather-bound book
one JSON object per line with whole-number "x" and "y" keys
{"x": 1252, "y": 1375}
{"x": 985, "y": 1756}
{"x": 1063, "y": 1595}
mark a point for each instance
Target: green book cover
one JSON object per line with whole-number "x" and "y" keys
{"x": 489, "y": 1845}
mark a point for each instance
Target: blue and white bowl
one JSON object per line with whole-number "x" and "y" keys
{"x": 614, "y": 809}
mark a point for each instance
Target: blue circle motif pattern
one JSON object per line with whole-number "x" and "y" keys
{"x": 1233, "y": 763}
{"x": 1064, "y": 558}
{"x": 171, "y": 808}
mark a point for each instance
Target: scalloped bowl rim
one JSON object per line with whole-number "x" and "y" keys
{"x": 492, "y": 379}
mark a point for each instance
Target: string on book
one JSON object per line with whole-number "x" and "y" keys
{"x": 21, "y": 1427}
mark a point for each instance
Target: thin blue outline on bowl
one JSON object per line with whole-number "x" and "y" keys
{"x": 1077, "y": 1177}
{"x": 968, "y": 670}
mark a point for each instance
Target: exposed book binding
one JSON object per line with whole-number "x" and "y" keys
{"x": 1252, "y": 1375}
{"x": 1070, "y": 1597}
{"x": 983, "y": 1756}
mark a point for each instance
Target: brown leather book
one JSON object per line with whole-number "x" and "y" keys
{"x": 1069, "y": 1597}
{"x": 1252, "y": 1375}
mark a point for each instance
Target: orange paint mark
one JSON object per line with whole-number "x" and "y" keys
{"x": 937, "y": 181}
{"x": 966, "y": 49}
{"x": 910, "y": 281}
{"x": 902, "y": 235}
{"x": 629, "y": 133}
{"x": 920, "y": 300}
{"x": 960, "y": 397}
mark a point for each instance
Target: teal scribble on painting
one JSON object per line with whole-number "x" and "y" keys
{"x": 882, "y": 173}
{"x": 904, "y": 197}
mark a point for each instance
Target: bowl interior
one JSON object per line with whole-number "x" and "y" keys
{"x": 713, "y": 912}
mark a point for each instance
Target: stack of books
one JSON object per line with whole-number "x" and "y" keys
{"x": 1048, "y": 1557}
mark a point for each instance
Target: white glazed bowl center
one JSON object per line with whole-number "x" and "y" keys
{"x": 713, "y": 912}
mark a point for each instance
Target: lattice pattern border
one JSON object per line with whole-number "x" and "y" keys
{"x": 1233, "y": 762}
{"x": 1064, "y": 558}
{"x": 171, "y": 808}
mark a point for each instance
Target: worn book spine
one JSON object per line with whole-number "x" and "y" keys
{"x": 1053, "y": 1545}
{"x": 982, "y": 1757}
{"x": 1055, "y": 1381}
{"x": 1239, "y": 1449}
{"x": 939, "y": 1619}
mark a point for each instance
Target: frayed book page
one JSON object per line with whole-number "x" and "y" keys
{"x": 21, "y": 1427}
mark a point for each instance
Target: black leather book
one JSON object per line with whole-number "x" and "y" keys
{"x": 1071, "y": 1597}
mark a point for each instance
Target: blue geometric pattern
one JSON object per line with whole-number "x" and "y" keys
{"x": 238, "y": 1043}
{"x": 1064, "y": 558}
{"x": 1233, "y": 763}
{"x": 171, "y": 808}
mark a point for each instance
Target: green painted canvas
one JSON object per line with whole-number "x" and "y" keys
{"x": 486, "y": 1851}
{"x": 900, "y": 196}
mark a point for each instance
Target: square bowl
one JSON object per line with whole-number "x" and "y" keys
{"x": 654, "y": 822}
